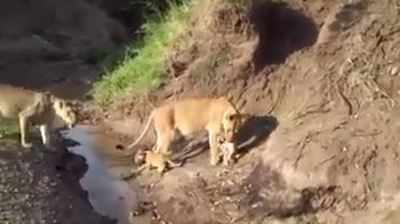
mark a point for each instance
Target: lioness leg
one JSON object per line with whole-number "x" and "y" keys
{"x": 165, "y": 135}
{"x": 44, "y": 132}
{"x": 214, "y": 149}
{"x": 24, "y": 127}
{"x": 164, "y": 140}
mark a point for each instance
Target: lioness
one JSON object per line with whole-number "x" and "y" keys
{"x": 34, "y": 108}
{"x": 216, "y": 115}
{"x": 150, "y": 159}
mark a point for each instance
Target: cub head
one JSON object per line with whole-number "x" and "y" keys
{"x": 65, "y": 111}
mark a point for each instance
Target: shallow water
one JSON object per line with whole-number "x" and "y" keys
{"x": 107, "y": 194}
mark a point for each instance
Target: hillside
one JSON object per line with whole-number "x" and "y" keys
{"x": 321, "y": 79}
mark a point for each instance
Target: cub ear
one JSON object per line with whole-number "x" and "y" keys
{"x": 229, "y": 96}
{"x": 244, "y": 117}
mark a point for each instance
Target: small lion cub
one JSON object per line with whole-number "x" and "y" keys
{"x": 227, "y": 150}
{"x": 150, "y": 159}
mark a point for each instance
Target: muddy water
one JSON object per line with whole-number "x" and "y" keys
{"x": 107, "y": 194}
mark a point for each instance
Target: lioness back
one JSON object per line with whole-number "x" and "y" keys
{"x": 13, "y": 100}
{"x": 194, "y": 114}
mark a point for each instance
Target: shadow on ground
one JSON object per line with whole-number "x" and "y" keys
{"x": 281, "y": 31}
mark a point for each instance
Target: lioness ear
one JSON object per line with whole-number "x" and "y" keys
{"x": 229, "y": 97}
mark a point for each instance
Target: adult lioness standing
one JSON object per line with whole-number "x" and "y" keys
{"x": 215, "y": 115}
{"x": 34, "y": 108}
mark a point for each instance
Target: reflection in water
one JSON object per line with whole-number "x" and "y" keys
{"x": 107, "y": 194}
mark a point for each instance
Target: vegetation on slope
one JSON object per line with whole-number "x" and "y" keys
{"x": 143, "y": 65}
{"x": 8, "y": 127}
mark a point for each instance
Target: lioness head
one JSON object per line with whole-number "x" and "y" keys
{"x": 65, "y": 110}
{"x": 231, "y": 123}
{"x": 232, "y": 119}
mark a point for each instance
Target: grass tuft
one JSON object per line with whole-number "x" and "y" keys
{"x": 143, "y": 66}
{"x": 8, "y": 127}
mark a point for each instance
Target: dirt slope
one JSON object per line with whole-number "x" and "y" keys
{"x": 55, "y": 44}
{"x": 322, "y": 79}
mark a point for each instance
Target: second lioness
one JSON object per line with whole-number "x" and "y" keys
{"x": 215, "y": 115}
{"x": 34, "y": 108}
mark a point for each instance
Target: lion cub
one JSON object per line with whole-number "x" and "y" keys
{"x": 227, "y": 150}
{"x": 34, "y": 108}
{"x": 150, "y": 159}
{"x": 218, "y": 116}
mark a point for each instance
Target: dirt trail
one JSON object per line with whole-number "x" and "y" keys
{"x": 322, "y": 80}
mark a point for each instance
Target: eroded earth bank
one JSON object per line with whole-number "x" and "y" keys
{"x": 321, "y": 79}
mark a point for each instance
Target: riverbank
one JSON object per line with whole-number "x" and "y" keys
{"x": 42, "y": 186}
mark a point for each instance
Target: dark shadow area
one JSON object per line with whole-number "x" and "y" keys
{"x": 281, "y": 30}
{"x": 68, "y": 142}
{"x": 256, "y": 130}
{"x": 191, "y": 148}
{"x": 73, "y": 163}
{"x": 132, "y": 13}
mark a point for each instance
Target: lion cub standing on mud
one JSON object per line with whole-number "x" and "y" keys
{"x": 150, "y": 159}
{"x": 216, "y": 115}
{"x": 34, "y": 108}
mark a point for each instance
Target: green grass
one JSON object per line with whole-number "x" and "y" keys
{"x": 8, "y": 127}
{"x": 143, "y": 66}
